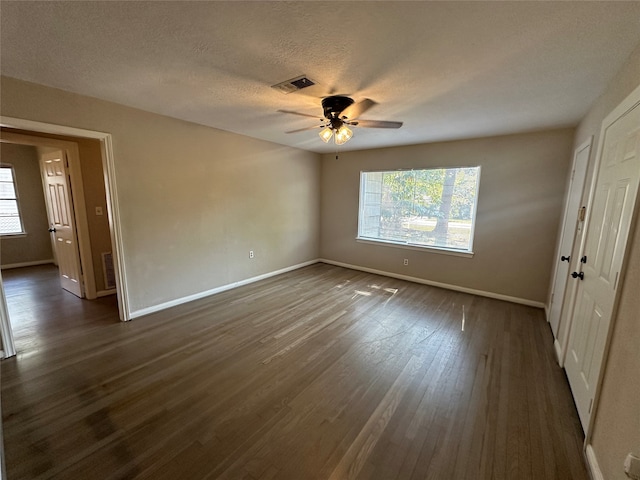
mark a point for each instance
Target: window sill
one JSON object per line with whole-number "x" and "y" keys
{"x": 13, "y": 235}
{"x": 406, "y": 246}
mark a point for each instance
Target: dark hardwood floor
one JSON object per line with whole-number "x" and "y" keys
{"x": 320, "y": 373}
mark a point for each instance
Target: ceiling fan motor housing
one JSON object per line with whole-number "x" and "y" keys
{"x": 334, "y": 105}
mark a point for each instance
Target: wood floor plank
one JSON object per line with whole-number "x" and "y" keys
{"x": 319, "y": 373}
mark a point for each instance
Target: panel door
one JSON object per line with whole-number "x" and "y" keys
{"x": 61, "y": 220}
{"x": 605, "y": 243}
{"x": 566, "y": 259}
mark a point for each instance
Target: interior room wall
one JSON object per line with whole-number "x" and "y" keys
{"x": 35, "y": 245}
{"x": 194, "y": 200}
{"x": 519, "y": 205}
{"x": 616, "y": 429}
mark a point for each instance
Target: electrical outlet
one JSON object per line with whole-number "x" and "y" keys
{"x": 632, "y": 467}
{"x": 250, "y": 253}
{"x": 406, "y": 262}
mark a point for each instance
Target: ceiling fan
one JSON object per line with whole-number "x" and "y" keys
{"x": 340, "y": 113}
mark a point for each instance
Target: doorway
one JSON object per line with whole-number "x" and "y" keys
{"x": 108, "y": 178}
{"x": 614, "y": 191}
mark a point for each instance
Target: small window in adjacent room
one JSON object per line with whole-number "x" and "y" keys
{"x": 430, "y": 208}
{"x": 10, "y": 220}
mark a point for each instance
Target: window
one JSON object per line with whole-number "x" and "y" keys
{"x": 434, "y": 208}
{"x": 10, "y": 221}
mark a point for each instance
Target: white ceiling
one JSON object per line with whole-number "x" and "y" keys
{"x": 448, "y": 70}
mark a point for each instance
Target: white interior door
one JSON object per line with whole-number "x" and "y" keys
{"x": 605, "y": 244}
{"x": 570, "y": 225}
{"x": 61, "y": 220}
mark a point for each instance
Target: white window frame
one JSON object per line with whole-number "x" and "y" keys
{"x": 413, "y": 246}
{"x": 22, "y": 231}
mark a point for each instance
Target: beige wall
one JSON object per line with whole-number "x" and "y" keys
{"x": 193, "y": 200}
{"x": 35, "y": 246}
{"x": 519, "y": 206}
{"x": 94, "y": 196}
{"x": 616, "y": 430}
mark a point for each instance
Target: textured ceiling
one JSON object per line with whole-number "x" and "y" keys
{"x": 448, "y": 70}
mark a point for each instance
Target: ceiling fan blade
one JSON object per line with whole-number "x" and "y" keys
{"x": 301, "y": 114}
{"x": 355, "y": 110}
{"x": 305, "y": 128}
{"x": 376, "y": 124}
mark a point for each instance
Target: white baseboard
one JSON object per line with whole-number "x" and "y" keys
{"x": 213, "y": 291}
{"x": 26, "y": 264}
{"x": 190, "y": 298}
{"x": 105, "y": 293}
{"x": 592, "y": 462}
{"x": 482, "y": 293}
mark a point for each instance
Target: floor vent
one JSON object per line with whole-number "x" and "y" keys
{"x": 109, "y": 271}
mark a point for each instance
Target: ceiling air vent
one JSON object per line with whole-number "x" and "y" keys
{"x": 294, "y": 84}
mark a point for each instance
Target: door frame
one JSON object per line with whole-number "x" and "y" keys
{"x": 113, "y": 210}
{"x": 566, "y": 307}
{"x": 624, "y": 106}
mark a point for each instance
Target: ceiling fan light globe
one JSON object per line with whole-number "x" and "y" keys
{"x": 325, "y": 134}
{"x": 343, "y": 135}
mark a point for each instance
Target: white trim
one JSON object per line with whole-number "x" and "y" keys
{"x": 6, "y": 333}
{"x": 106, "y": 293}
{"x": 7, "y": 236}
{"x": 213, "y": 291}
{"x": 23, "y": 124}
{"x": 115, "y": 228}
{"x": 110, "y": 187}
{"x": 592, "y": 462}
{"x": 482, "y": 293}
{"x": 410, "y": 246}
{"x": 26, "y": 264}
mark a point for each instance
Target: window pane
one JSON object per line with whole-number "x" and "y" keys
{"x": 434, "y": 207}
{"x": 8, "y": 208}
{"x": 6, "y": 174}
{"x": 10, "y": 225}
{"x": 7, "y": 190}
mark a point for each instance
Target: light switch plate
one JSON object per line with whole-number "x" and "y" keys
{"x": 98, "y": 210}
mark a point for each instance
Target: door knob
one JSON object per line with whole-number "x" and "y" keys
{"x": 567, "y": 258}
{"x": 578, "y": 275}
{"x": 52, "y": 230}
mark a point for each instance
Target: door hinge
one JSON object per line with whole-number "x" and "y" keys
{"x": 615, "y": 282}
{"x": 582, "y": 214}
{"x": 590, "y": 404}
